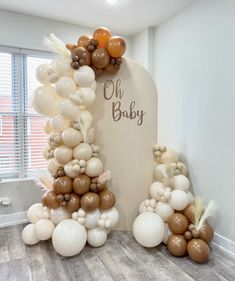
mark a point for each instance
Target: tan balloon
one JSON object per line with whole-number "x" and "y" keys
{"x": 62, "y": 185}
{"x": 107, "y": 199}
{"x": 90, "y": 201}
{"x": 49, "y": 200}
{"x": 178, "y": 223}
{"x": 73, "y": 203}
{"x": 83, "y": 40}
{"x": 177, "y": 245}
{"x": 198, "y": 250}
{"x": 81, "y": 184}
{"x": 189, "y": 213}
{"x": 206, "y": 233}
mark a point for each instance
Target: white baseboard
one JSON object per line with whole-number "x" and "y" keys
{"x": 224, "y": 244}
{"x": 13, "y": 219}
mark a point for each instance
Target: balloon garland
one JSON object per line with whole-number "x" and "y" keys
{"x": 172, "y": 215}
{"x": 76, "y": 206}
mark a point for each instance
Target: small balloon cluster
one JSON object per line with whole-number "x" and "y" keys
{"x": 76, "y": 205}
{"x": 102, "y": 51}
{"x": 172, "y": 215}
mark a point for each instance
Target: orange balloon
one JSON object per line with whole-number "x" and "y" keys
{"x": 116, "y": 47}
{"x": 83, "y": 40}
{"x": 102, "y": 35}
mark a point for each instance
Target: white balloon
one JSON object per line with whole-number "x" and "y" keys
{"x": 69, "y": 110}
{"x": 84, "y": 76}
{"x": 45, "y": 101}
{"x": 94, "y": 86}
{"x": 113, "y": 216}
{"x": 47, "y": 127}
{"x": 62, "y": 66}
{"x": 156, "y": 190}
{"x": 53, "y": 166}
{"x": 84, "y": 96}
{"x": 167, "y": 233}
{"x": 59, "y": 214}
{"x": 96, "y": 237}
{"x": 148, "y": 229}
{"x": 178, "y": 200}
{"x": 142, "y": 207}
{"x": 58, "y": 123}
{"x": 94, "y": 167}
{"x": 82, "y": 152}
{"x": 190, "y": 197}
{"x": 69, "y": 238}
{"x": 65, "y": 86}
{"x": 42, "y": 73}
{"x": 169, "y": 156}
{"x": 28, "y": 235}
{"x": 92, "y": 218}
{"x": 70, "y": 172}
{"x": 164, "y": 210}
{"x": 63, "y": 154}
{"x": 181, "y": 182}
{"x": 43, "y": 229}
{"x": 34, "y": 213}
{"x": 71, "y": 137}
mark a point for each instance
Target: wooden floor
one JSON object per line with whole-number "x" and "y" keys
{"x": 121, "y": 258}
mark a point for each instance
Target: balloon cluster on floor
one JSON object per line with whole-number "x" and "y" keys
{"x": 76, "y": 206}
{"x": 172, "y": 215}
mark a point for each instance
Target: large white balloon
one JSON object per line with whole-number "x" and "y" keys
{"x": 84, "y": 76}
{"x": 69, "y": 110}
{"x": 164, "y": 210}
{"x": 113, "y": 216}
{"x": 84, "y": 96}
{"x": 82, "y": 152}
{"x": 71, "y": 137}
{"x": 181, "y": 182}
{"x": 96, "y": 237}
{"x": 42, "y": 73}
{"x": 63, "y": 154}
{"x": 47, "y": 127}
{"x": 148, "y": 229}
{"x": 53, "y": 166}
{"x": 28, "y": 235}
{"x": 65, "y": 86}
{"x": 45, "y": 101}
{"x": 69, "y": 238}
{"x": 59, "y": 214}
{"x": 92, "y": 218}
{"x": 179, "y": 199}
{"x": 156, "y": 190}
{"x": 94, "y": 167}
{"x": 62, "y": 66}
{"x": 43, "y": 229}
{"x": 58, "y": 123}
{"x": 34, "y": 213}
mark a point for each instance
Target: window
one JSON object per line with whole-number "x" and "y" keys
{"x": 22, "y": 139}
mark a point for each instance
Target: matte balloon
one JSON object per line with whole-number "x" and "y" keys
{"x": 63, "y": 154}
{"x": 90, "y": 201}
{"x": 92, "y": 218}
{"x": 167, "y": 234}
{"x": 178, "y": 223}
{"x": 69, "y": 238}
{"x": 116, "y": 46}
{"x": 28, "y": 235}
{"x": 93, "y": 86}
{"x": 70, "y": 171}
{"x": 63, "y": 185}
{"x": 43, "y": 229}
{"x": 94, "y": 167}
{"x": 84, "y": 96}
{"x": 53, "y": 166}
{"x": 65, "y": 86}
{"x": 177, "y": 245}
{"x": 198, "y": 250}
{"x": 69, "y": 110}
{"x": 100, "y": 58}
{"x": 113, "y": 216}
{"x": 206, "y": 233}
{"x": 164, "y": 210}
{"x": 58, "y": 123}
{"x": 107, "y": 199}
{"x": 49, "y": 200}
{"x": 71, "y": 137}
{"x": 148, "y": 229}
{"x": 83, "y": 151}
{"x": 59, "y": 214}
{"x": 62, "y": 66}
{"x": 164, "y": 173}
{"x": 83, "y": 40}
{"x": 102, "y": 35}
{"x": 47, "y": 127}
{"x": 73, "y": 203}
{"x": 179, "y": 200}
{"x": 34, "y": 213}
{"x": 181, "y": 182}
{"x": 81, "y": 184}
{"x": 156, "y": 190}
{"x": 169, "y": 156}
{"x": 84, "y": 76}
{"x": 189, "y": 213}
{"x": 42, "y": 73}
{"x": 96, "y": 237}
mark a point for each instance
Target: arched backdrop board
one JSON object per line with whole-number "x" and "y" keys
{"x": 125, "y": 117}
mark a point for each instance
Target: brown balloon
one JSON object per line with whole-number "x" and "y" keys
{"x": 74, "y": 203}
{"x": 81, "y": 55}
{"x": 116, "y": 46}
{"x": 90, "y": 201}
{"x": 81, "y": 184}
{"x": 83, "y": 40}
{"x": 100, "y": 58}
{"x": 98, "y": 71}
{"x": 49, "y": 200}
{"x": 198, "y": 250}
{"x": 102, "y": 35}
{"x": 178, "y": 223}
{"x": 71, "y": 46}
{"x": 111, "y": 69}
{"x": 107, "y": 199}
{"x": 177, "y": 245}
{"x": 63, "y": 185}
{"x": 206, "y": 233}
{"x": 189, "y": 213}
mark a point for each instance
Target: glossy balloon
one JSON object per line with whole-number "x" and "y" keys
{"x": 84, "y": 96}
{"x": 164, "y": 210}
{"x": 83, "y": 40}
{"x": 198, "y": 250}
{"x": 100, "y": 58}
{"x": 102, "y": 35}
{"x": 178, "y": 223}
{"x": 96, "y": 237}
{"x": 177, "y": 245}
{"x": 206, "y": 233}
{"x": 63, "y": 154}
{"x": 63, "y": 185}
{"x": 116, "y": 46}
{"x": 69, "y": 110}
{"x": 94, "y": 167}
{"x": 43, "y": 229}
{"x": 58, "y": 123}
{"x": 107, "y": 199}
{"x": 92, "y": 218}
{"x": 90, "y": 201}
{"x": 82, "y": 152}
{"x": 84, "y": 76}
{"x": 34, "y": 213}
{"x": 81, "y": 184}
{"x": 49, "y": 200}
{"x": 65, "y": 86}
{"x": 181, "y": 182}
{"x": 62, "y": 66}
{"x": 71, "y": 137}
{"x": 189, "y": 213}
{"x": 178, "y": 200}
{"x": 83, "y": 56}
{"x": 73, "y": 203}
{"x": 42, "y": 73}
{"x": 28, "y": 235}
{"x": 59, "y": 214}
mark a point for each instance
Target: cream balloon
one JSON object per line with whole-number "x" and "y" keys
{"x": 164, "y": 210}
{"x": 91, "y": 219}
{"x": 190, "y": 197}
{"x": 69, "y": 238}
{"x": 43, "y": 229}
{"x": 96, "y": 237}
{"x": 28, "y": 235}
{"x": 148, "y": 229}
{"x": 45, "y": 101}
{"x": 62, "y": 66}
{"x": 167, "y": 233}
{"x": 178, "y": 200}
{"x": 65, "y": 86}
{"x": 94, "y": 167}
{"x": 84, "y": 76}
{"x": 181, "y": 182}
{"x": 71, "y": 137}
{"x": 82, "y": 152}
{"x": 34, "y": 213}
{"x": 94, "y": 86}
{"x": 113, "y": 216}
{"x": 169, "y": 156}
{"x": 156, "y": 190}
{"x": 42, "y": 73}
{"x": 58, "y": 123}
{"x": 53, "y": 166}
{"x": 47, "y": 127}
{"x": 163, "y": 171}
{"x": 63, "y": 154}
{"x": 59, "y": 214}
{"x": 84, "y": 96}
{"x": 70, "y": 171}
{"x": 142, "y": 207}
{"x": 69, "y": 110}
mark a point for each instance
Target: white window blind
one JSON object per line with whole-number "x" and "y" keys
{"x": 21, "y": 129}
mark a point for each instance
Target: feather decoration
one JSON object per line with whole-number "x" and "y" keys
{"x": 198, "y": 208}
{"x": 210, "y": 211}
{"x": 56, "y": 45}
{"x": 104, "y": 177}
{"x": 46, "y": 183}
{"x": 43, "y": 180}
{"x": 85, "y": 122}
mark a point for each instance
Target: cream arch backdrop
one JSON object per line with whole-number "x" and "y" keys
{"x": 125, "y": 115}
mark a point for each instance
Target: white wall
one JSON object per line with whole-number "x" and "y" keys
{"x": 195, "y": 75}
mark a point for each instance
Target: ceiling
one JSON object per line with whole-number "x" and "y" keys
{"x": 126, "y": 17}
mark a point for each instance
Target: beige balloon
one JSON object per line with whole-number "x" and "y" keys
{"x": 82, "y": 152}
{"x": 94, "y": 167}
{"x": 63, "y": 154}
{"x": 71, "y": 137}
